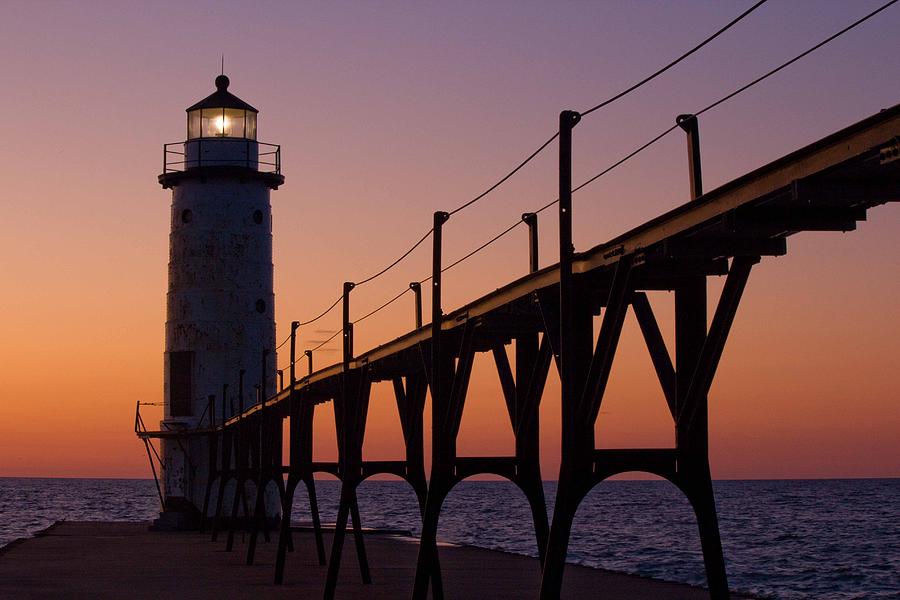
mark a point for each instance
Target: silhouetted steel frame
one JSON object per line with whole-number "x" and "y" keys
{"x": 584, "y": 383}
{"x": 351, "y": 412}
{"x": 826, "y": 186}
{"x": 449, "y": 371}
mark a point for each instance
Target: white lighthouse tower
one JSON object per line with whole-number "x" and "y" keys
{"x": 220, "y": 303}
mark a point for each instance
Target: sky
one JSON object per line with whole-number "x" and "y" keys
{"x": 386, "y": 112}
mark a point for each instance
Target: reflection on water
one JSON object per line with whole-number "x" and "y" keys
{"x": 783, "y": 539}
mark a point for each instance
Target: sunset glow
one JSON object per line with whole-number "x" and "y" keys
{"x": 386, "y": 114}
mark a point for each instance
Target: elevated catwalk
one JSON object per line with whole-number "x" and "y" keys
{"x": 829, "y": 185}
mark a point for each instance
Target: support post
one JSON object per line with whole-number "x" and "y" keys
{"x": 211, "y": 470}
{"x": 295, "y": 325}
{"x": 568, "y": 386}
{"x": 437, "y": 316}
{"x": 428, "y": 540}
{"x": 261, "y": 399}
{"x": 347, "y": 325}
{"x": 557, "y": 546}
{"x": 690, "y": 125}
{"x": 692, "y": 432}
{"x": 416, "y": 287}
{"x": 656, "y": 346}
{"x": 241, "y": 374}
{"x": 531, "y": 220}
{"x": 225, "y": 415}
{"x": 226, "y": 441}
{"x": 280, "y": 379}
{"x": 350, "y": 422}
{"x": 309, "y": 362}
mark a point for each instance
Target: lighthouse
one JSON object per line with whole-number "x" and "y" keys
{"x": 220, "y": 324}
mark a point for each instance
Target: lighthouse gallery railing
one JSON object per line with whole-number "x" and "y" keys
{"x": 266, "y": 160}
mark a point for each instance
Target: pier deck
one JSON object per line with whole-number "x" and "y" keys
{"x": 115, "y": 560}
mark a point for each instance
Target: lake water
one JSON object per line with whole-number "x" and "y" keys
{"x": 836, "y": 539}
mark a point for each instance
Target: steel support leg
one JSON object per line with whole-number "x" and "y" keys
{"x": 569, "y": 370}
{"x": 282, "y": 491}
{"x": 347, "y": 506}
{"x": 216, "y": 524}
{"x": 314, "y": 515}
{"x": 534, "y": 493}
{"x": 358, "y": 538}
{"x": 699, "y": 492}
{"x": 285, "y": 528}
{"x": 428, "y": 557}
{"x": 232, "y": 522}
{"x": 206, "y": 495}
{"x": 223, "y": 483}
{"x": 558, "y": 541}
{"x": 258, "y": 519}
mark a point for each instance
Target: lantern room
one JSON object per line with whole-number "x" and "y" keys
{"x": 222, "y": 136}
{"x": 221, "y": 115}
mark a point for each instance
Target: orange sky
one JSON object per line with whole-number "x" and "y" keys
{"x": 386, "y": 114}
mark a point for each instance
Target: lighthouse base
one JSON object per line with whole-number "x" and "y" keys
{"x": 179, "y": 515}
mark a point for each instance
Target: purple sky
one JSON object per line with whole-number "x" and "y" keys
{"x": 387, "y": 112}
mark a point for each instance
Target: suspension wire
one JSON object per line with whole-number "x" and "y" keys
{"x": 669, "y": 130}
{"x": 546, "y": 206}
{"x": 287, "y": 366}
{"x": 456, "y": 210}
{"x": 622, "y": 160}
{"x": 367, "y": 280}
{"x": 662, "y": 70}
{"x": 447, "y": 268}
{"x": 827, "y": 40}
{"x": 313, "y": 320}
{"x": 459, "y": 208}
{"x": 396, "y": 262}
{"x": 285, "y": 341}
{"x": 327, "y": 310}
{"x": 616, "y": 164}
{"x": 552, "y": 138}
{"x": 483, "y": 246}
{"x": 383, "y": 306}
{"x": 728, "y": 97}
{"x": 506, "y": 177}
{"x": 333, "y": 335}
{"x": 608, "y": 101}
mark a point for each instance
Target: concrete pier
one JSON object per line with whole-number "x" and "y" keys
{"x": 116, "y": 560}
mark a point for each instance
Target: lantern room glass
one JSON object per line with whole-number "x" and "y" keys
{"x": 221, "y": 123}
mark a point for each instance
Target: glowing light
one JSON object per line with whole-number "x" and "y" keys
{"x": 220, "y": 124}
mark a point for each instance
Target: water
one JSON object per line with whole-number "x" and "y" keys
{"x": 835, "y": 539}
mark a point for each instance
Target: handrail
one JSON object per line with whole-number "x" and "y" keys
{"x": 250, "y": 162}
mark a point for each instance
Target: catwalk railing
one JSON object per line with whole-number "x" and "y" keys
{"x": 547, "y": 316}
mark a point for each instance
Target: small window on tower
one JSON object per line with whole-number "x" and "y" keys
{"x": 180, "y": 383}
{"x": 260, "y": 306}
{"x": 186, "y": 215}
{"x": 258, "y": 217}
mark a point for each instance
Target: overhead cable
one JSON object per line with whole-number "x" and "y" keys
{"x": 729, "y": 96}
{"x": 662, "y": 70}
{"x": 396, "y": 262}
{"x": 612, "y": 99}
{"x": 382, "y": 307}
{"x": 507, "y": 176}
{"x": 616, "y": 164}
{"x": 333, "y": 335}
{"x": 326, "y": 311}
